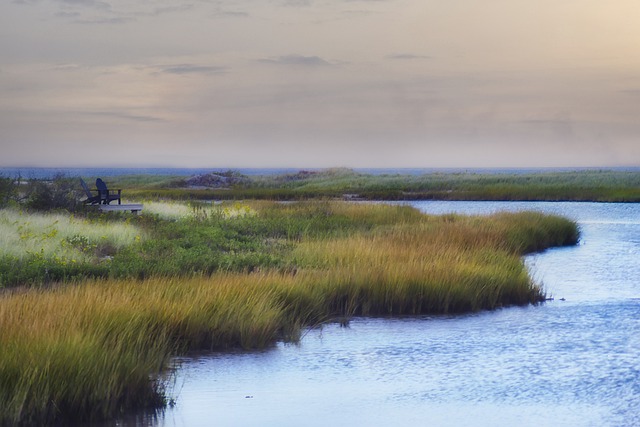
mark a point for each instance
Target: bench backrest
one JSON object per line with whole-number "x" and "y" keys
{"x": 86, "y": 188}
{"x": 101, "y": 186}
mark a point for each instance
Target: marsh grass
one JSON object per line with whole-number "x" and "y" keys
{"x": 23, "y": 233}
{"x": 97, "y": 349}
{"x": 439, "y": 264}
{"x": 88, "y": 352}
{"x": 171, "y": 238}
{"x": 176, "y": 210}
{"x": 35, "y": 247}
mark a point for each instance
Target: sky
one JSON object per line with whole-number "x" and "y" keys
{"x": 319, "y": 83}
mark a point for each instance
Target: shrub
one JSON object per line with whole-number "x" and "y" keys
{"x": 8, "y": 190}
{"x": 59, "y": 193}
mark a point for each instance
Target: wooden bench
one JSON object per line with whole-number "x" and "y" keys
{"x": 106, "y": 196}
{"x": 133, "y": 207}
{"x": 91, "y": 198}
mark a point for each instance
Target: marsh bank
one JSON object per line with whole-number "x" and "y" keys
{"x": 565, "y": 363}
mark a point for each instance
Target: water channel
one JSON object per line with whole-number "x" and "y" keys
{"x": 573, "y": 361}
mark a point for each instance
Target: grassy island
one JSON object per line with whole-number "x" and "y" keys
{"x": 95, "y": 306}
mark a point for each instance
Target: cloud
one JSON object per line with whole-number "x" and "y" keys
{"x": 405, "y": 56}
{"x": 108, "y": 11}
{"x": 357, "y": 13}
{"x": 67, "y": 14}
{"x": 220, "y": 13}
{"x": 122, "y": 116}
{"x": 92, "y": 3}
{"x": 69, "y": 67}
{"x": 82, "y": 2}
{"x": 167, "y": 9}
{"x": 98, "y": 4}
{"x": 182, "y": 69}
{"x": 297, "y": 3}
{"x": 297, "y": 60}
{"x": 105, "y": 20}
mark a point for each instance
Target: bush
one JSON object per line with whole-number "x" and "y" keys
{"x": 59, "y": 193}
{"x": 7, "y": 190}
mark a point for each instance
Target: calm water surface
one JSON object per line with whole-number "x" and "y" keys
{"x": 570, "y": 362}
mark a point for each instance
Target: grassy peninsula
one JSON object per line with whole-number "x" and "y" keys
{"x": 93, "y": 307}
{"x": 111, "y": 299}
{"x": 581, "y": 185}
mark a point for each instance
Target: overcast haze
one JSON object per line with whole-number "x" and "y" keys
{"x": 319, "y": 83}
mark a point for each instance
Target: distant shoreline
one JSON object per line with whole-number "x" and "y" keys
{"x": 49, "y": 172}
{"x": 507, "y": 184}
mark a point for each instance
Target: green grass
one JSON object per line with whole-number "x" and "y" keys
{"x": 39, "y": 247}
{"x": 169, "y": 239}
{"x": 98, "y": 348}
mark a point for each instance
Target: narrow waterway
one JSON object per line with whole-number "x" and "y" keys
{"x": 573, "y": 361}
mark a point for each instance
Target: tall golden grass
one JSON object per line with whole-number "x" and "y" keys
{"x": 97, "y": 349}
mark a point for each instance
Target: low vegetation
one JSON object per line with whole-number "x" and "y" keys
{"x": 38, "y": 248}
{"x": 231, "y": 275}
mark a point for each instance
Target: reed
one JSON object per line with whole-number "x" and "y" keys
{"x": 96, "y": 349}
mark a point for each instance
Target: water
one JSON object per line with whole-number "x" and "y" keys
{"x": 48, "y": 172}
{"x": 570, "y": 362}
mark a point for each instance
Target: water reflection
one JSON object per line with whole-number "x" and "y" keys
{"x": 565, "y": 363}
